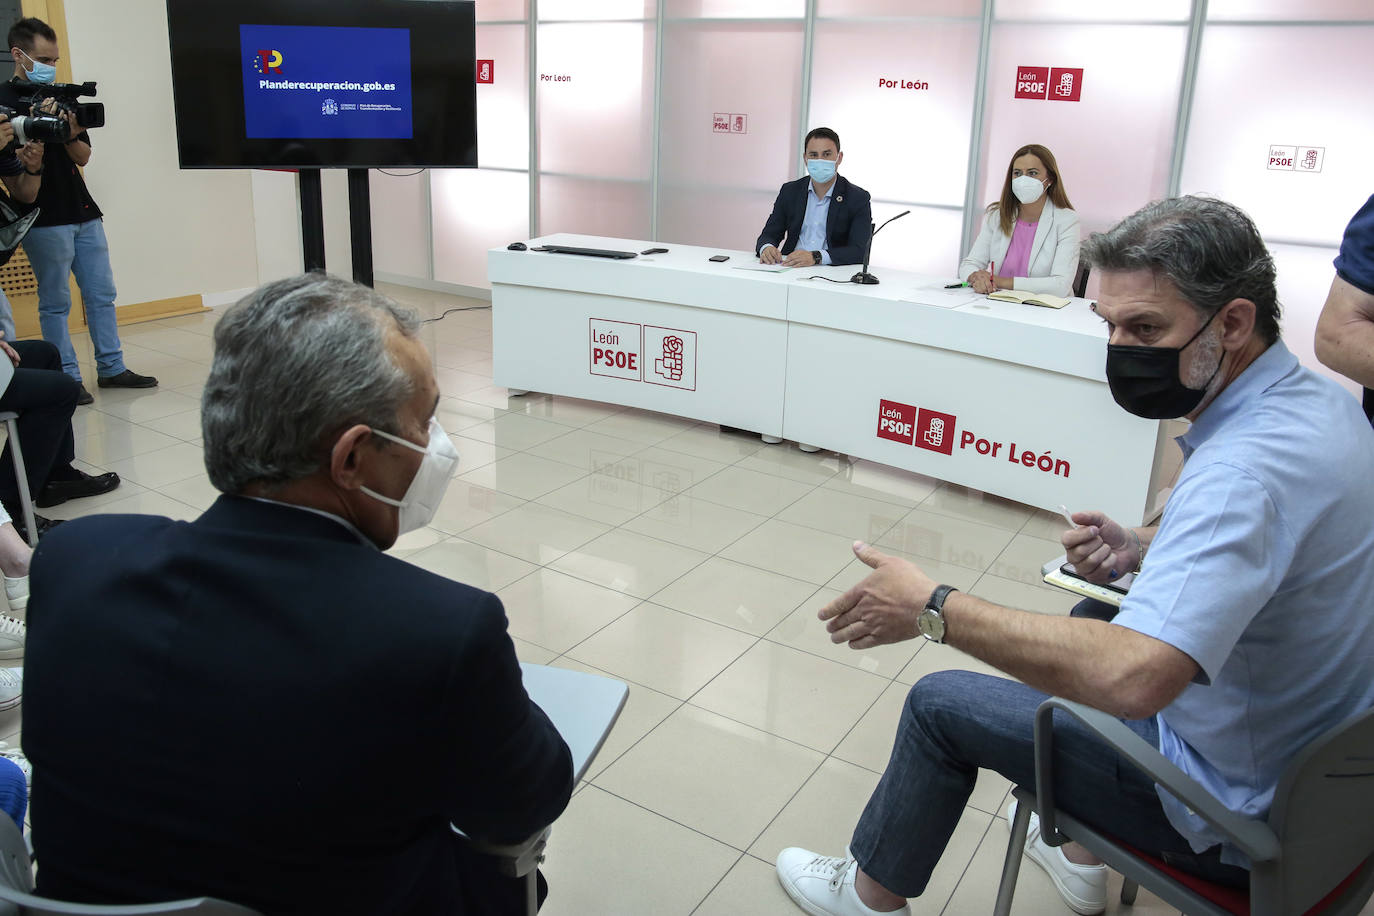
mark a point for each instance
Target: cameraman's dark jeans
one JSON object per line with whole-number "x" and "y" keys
{"x": 955, "y": 722}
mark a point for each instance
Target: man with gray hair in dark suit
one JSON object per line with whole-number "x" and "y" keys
{"x": 384, "y": 702}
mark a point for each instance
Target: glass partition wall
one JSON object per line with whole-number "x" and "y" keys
{"x": 677, "y": 121}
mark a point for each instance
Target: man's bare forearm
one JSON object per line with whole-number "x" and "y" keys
{"x": 1345, "y": 333}
{"x": 1112, "y": 668}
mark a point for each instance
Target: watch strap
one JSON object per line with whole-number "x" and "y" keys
{"x": 937, "y": 597}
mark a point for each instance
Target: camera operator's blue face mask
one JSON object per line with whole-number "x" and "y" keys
{"x": 41, "y": 72}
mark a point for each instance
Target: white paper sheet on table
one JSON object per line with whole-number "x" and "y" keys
{"x": 766, "y": 268}
{"x": 941, "y": 298}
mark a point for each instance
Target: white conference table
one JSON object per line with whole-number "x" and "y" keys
{"x": 1006, "y": 398}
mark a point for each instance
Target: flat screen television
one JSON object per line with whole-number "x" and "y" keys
{"x": 324, "y": 83}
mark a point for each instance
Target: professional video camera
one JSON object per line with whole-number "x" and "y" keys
{"x": 64, "y": 99}
{"x": 45, "y": 127}
{"x": 38, "y": 118}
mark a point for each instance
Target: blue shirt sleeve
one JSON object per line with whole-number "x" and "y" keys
{"x": 10, "y": 165}
{"x": 1217, "y": 559}
{"x": 1355, "y": 263}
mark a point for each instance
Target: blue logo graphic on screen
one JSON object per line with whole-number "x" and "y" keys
{"x": 330, "y": 82}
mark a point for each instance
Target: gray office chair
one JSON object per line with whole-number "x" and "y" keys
{"x": 11, "y": 421}
{"x": 1314, "y": 853}
{"x": 16, "y": 884}
{"x": 1080, "y": 280}
{"x": 583, "y": 707}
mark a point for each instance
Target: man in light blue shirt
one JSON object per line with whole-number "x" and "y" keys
{"x": 822, "y": 218}
{"x": 1248, "y": 632}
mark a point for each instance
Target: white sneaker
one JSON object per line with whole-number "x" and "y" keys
{"x": 16, "y": 756}
{"x": 12, "y": 635}
{"x": 17, "y": 592}
{"x": 11, "y": 687}
{"x": 1083, "y": 887}
{"x": 824, "y": 885}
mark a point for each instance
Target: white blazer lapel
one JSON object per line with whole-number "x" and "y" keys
{"x": 1042, "y": 232}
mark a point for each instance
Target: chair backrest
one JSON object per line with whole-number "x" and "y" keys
{"x": 16, "y": 883}
{"x": 1080, "y": 280}
{"x": 1323, "y": 813}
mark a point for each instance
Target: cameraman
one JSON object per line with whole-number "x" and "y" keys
{"x": 68, "y": 237}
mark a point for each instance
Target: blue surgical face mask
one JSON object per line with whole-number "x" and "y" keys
{"x": 822, "y": 170}
{"x": 41, "y": 72}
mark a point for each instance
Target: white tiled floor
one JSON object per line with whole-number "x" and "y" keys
{"x": 687, "y": 562}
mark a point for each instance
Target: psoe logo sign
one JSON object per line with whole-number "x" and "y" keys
{"x": 935, "y": 431}
{"x": 1296, "y": 158}
{"x": 1057, "y": 84}
{"x": 670, "y": 356}
{"x": 267, "y": 62}
{"x": 921, "y": 427}
{"x": 486, "y": 71}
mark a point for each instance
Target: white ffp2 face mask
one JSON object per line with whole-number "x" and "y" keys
{"x": 1027, "y": 189}
{"x": 427, "y": 488}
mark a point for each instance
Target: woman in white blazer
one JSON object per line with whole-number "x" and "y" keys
{"x": 1030, "y": 236}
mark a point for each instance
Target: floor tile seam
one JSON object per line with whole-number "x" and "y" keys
{"x": 857, "y": 721}
{"x": 564, "y": 553}
{"x": 485, "y": 520}
{"x": 572, "y": 464}
{"x": 775, "y": 572}
{"x": 608, "y": 764}
{"x": 560, "y": 654}
{"x": 790, "y": 799}
{"x": 763, "y": 635}
{"x": 165, "y": 483}
{"x": 876, "y": 495}
{"x": 887, "y": 547}
{"x": 659, "y": 814}
{"x": 787, "y": 645}
{"x": 762, "y": 521}
{"x": 697, "y": 616}
{"x": 967, "y": 865}
{"x": 949, "y": 513}
{"x": 703, "y": 900}
{"x": 461, "y": 476}
{"x": 774, "y": 735}
{"x": 866, "y": 540}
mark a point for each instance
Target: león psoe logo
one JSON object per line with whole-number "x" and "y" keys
{"x": 266, "y": 62}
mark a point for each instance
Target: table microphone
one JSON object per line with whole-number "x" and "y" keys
{"x": 863, "y": 276}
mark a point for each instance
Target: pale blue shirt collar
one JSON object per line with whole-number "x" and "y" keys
{"x": 322, "y": 514}
{"x": 812, "y": 235}
{"x": 1270, "y": 366}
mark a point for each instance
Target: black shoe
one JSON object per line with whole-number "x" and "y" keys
{"x": 127, "y": 379}
{"x": 84, "y": 397}
{"x": 43, "y": 524}
{"x": 59, "y": 491}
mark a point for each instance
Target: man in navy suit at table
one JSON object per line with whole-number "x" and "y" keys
{"x": 820, "y": 219}
{"x": 260, "y": 705}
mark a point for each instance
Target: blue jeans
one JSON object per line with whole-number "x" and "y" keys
{"x": 80, "y": 249}
{"x": 955, "y": 722}
{"x": 14, "y": 791}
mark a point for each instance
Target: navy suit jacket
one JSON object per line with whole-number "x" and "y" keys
{"x": 259, "y": 707}
{"x": 848, "y": 225}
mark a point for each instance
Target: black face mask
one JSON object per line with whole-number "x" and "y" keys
{"x": 1144, "y": 380}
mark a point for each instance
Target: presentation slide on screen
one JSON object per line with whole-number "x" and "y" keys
{"x": 328, "y": 82}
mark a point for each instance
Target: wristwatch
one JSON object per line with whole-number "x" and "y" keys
{"x": 817, "y": 256}
{"x": 931, "y": 622}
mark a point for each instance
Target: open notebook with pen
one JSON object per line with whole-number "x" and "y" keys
{"x": 1044, "y": 300}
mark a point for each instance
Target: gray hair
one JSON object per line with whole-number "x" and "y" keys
{"x": 1208, "y": 249}
{"x": 296, "y": 362}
